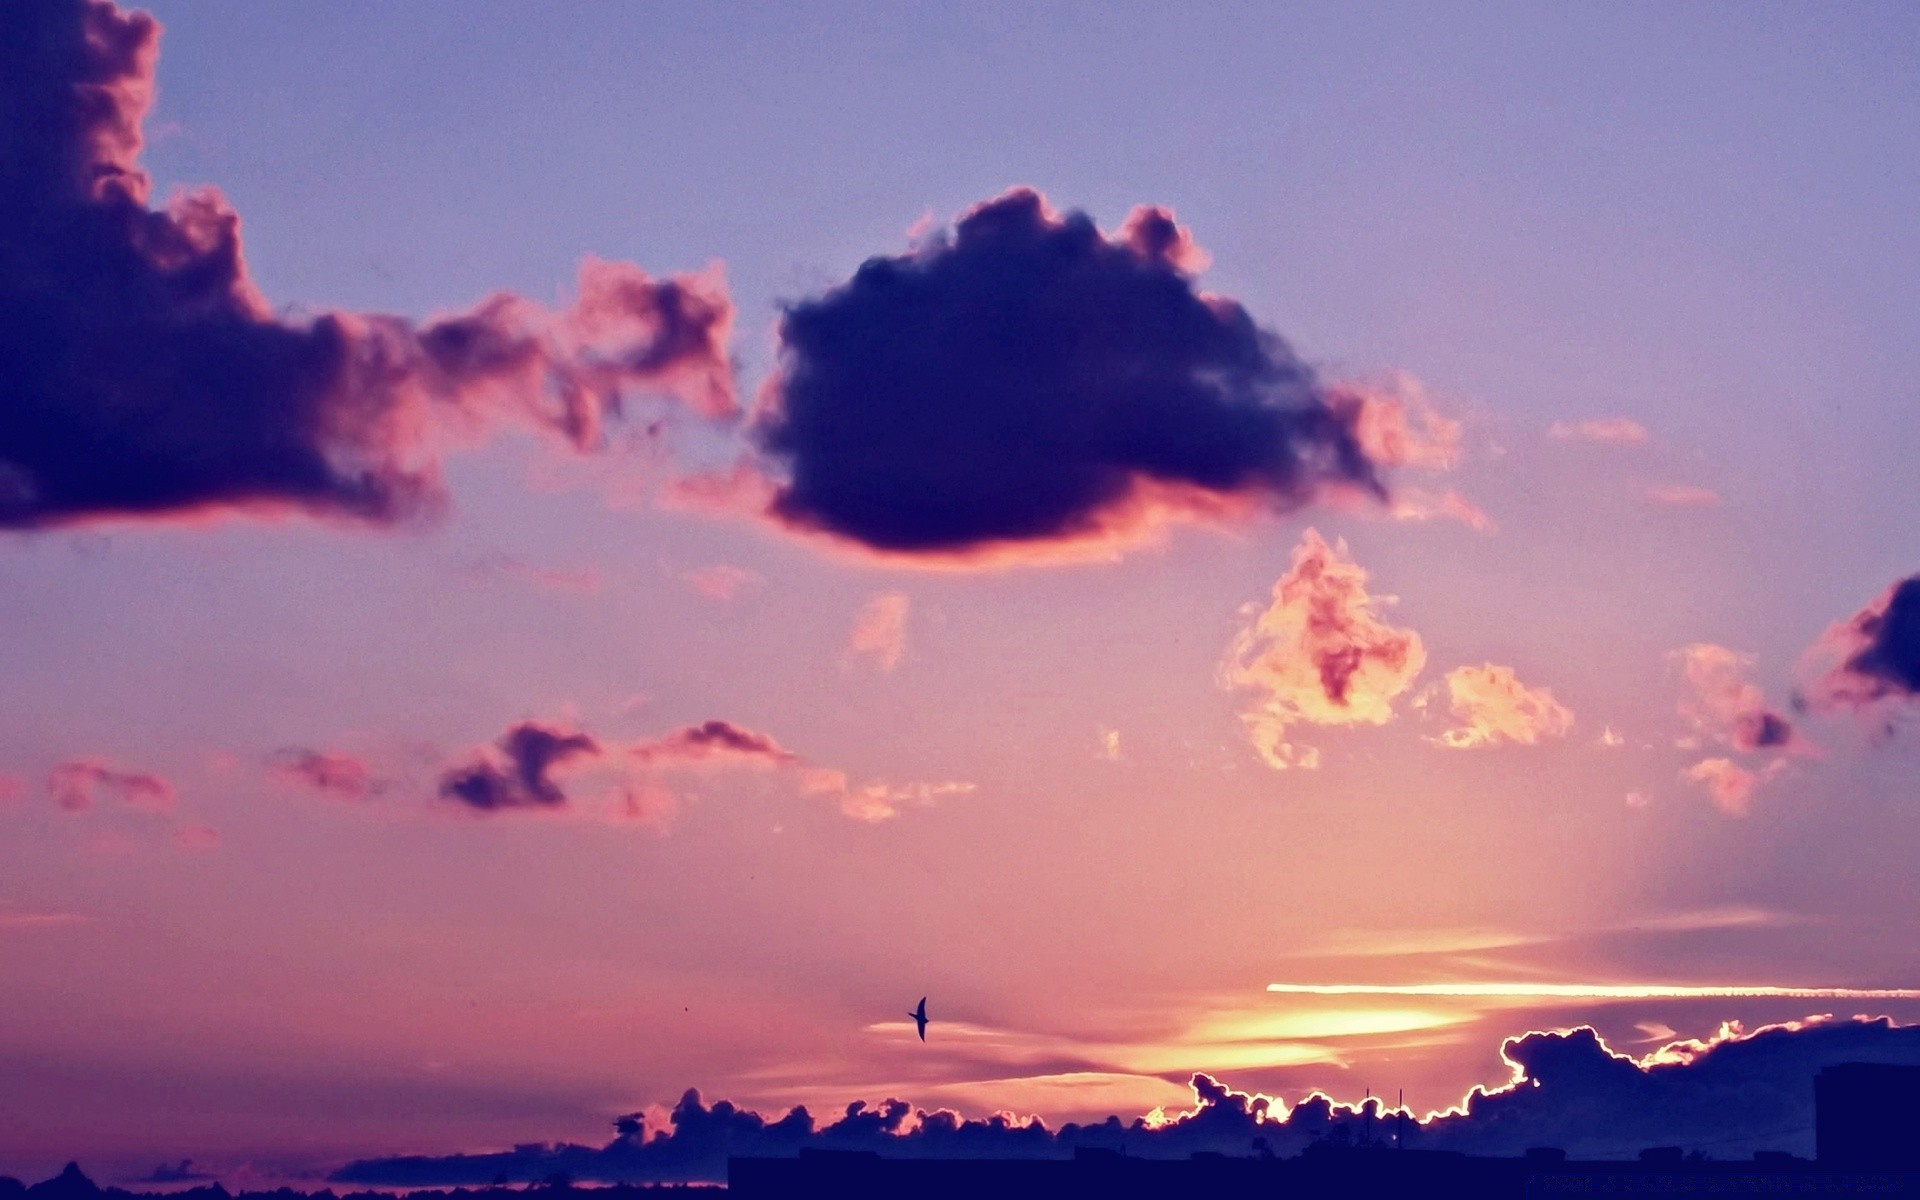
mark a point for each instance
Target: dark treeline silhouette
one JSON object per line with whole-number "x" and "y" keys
{"x": 73, "y": 1184}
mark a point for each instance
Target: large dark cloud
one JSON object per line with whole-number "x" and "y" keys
{"x": 142, "y": 374}
{"x": 521, "y": 775}
{"x": 1728, "y": 1096}
{"x": 1030, "y": 380}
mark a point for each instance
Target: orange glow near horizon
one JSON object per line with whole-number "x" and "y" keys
{"x": 1595, "y": 991}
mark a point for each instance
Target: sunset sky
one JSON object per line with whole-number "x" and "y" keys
{"x": 1432, "y": 547}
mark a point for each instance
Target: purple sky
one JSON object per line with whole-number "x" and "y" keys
{"x": 1637, "y": 278}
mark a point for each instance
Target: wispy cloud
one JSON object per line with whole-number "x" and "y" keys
{"x": 879, "y": 635}
{"x": 1683, "y": 495}
{"x": 1620, "y": 431}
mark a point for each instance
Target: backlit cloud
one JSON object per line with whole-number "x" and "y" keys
{"x": 1319, "y": 654}
{"x": 1029, "y": 381}
{"x": 1734, "y": 1092}
{"x": 157, "y": 380}
{"x": 879, "y": 634}
{"x": 1875, "y": 653}
{"x": 1493, "y": 708}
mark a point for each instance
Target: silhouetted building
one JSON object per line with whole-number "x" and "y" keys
{"x": 1352, "y": 1173}
{"x": 1867, "y": 1117}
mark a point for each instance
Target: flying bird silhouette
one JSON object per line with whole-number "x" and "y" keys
{"x": 919, "y": 1016}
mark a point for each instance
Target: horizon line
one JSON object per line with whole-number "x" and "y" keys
{"x": 1597, "y": 991}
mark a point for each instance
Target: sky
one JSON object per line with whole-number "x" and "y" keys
{"x": 1403, "y": 503}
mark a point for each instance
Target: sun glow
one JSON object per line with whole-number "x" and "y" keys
{"x": 1595, "y": 991}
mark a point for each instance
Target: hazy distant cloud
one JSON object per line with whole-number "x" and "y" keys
{"x": 720, "y": 581}
{"x": 1731, "y": 1094}
{"x": 1110, "y": 745}
{"x": 76, "y": 784}
{"x": 39, "y": 920}
{"x": 154, "y": 379}
{"x": 1728, "y": 784}
{"x": 1877, "y": 652}
{"x": 1420, "y": 504}
{"x": 183, "y": 1171}
{"x": 880, "y": 631}
{"x": 12, "y": 787}
{"x": 710, "y": 741}
{"x": 1623, "y": 431}
{"x": 197, "y": 837}
{"x": 329, "y": 771}
{"x": 1682, "y": 495}
{"x": 1028, "y": 386}
{"x": 1319, "y": 654}
{"x": 517, "y": 772}
{"x": 1721, "y": 704}
{"x": 878, "y": 801}
{"x": 580, "y": 581}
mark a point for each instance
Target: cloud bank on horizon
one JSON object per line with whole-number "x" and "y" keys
{"x": 1736, "y": 1092}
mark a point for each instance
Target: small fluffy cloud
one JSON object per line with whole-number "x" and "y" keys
{"x": 720, "y": 581}
{"x": 154, "y": 379}
{"x": 712, "y": 741}
{"x": 1319, "y": 654}
{"x": 1721, "y": 704}
{"x": 1728, "y": 784}
{"x": 76, "y": 784}
{"x": 1493, "y": 708}
{"x": 879, "y": 634}
{"x": 1877, "y": 652}
{"x": 329, "y": 772}
{"x": 1620, "y": 431}
{"x": 518, "y": 771}
{"x": 1031, "y": 385}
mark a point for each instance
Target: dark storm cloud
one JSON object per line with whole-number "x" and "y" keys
{"x": 1030, "y": 380}
{"x": 1879, "y": 651}
{"x": 521, "y": 774}
{"x": 142, "y": 374}
{"x": 1732, "y": 1094}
